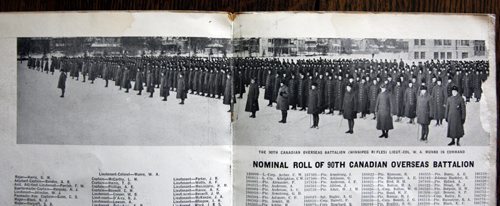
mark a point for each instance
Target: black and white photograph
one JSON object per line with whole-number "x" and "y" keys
{"x": 124, "y": 91}
{"x": 360, "y": 92}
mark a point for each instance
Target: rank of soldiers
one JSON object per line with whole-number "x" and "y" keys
{"x": 431, "y": 90}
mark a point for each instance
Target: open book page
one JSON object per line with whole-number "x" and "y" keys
{"x": 364, "y": 109}
{"x": 115, "y": 108}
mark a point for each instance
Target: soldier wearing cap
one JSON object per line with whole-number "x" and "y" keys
{"x": 150, "y": 87}
{"x": 383, "y": 112}
{"x": 139, "y": 85}
{"x": 372, "y": 97}
{"x": 164, "y": 87}
{"x": 349, "y": 107}
{"x": 282, "y": 101}
{"x": 455, "y": 116}
{"x": 410, "y": 101}
{"x": 477, "y": 82}
{"x": 313, "y": 104}
{"x": 181, "y": 88}
{"x": 252, "y": 104}
{"x": 423, "y": 112}
{"x": 438, "y": 101}
{"x": 61, "y": 84}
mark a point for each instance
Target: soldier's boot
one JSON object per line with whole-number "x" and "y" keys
{"x": 106, "y": 83}
{"x": 374, "y": 116}
{"x": 151, "y": 95}
{"x": 350, "y": 123}
{"x": 458, "y": 141}
{"x": 182, "y": 101}
{"x": 386, "y": 133}
{"x": 452, "y": 142}
{"x": 352, "y": 126}
{"x": 140, "y": 92}
{"x": 92, "y": 82}
{"x": 382, "y": 135}
{"x": 422, "y": 137}
{"x": 164, "y": 98}
{"x": 253, "y": 115}
{"x": 126, "y": 91}
{"x": 477, "y": 99}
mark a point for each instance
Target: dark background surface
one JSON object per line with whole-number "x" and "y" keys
{"x": 446, "y": 6}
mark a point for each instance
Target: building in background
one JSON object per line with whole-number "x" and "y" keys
{"x": 444, "y": 49}
{"x": 280, "y": 47}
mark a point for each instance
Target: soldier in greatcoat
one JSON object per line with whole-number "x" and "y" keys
{"x": 282, "y": 101}
{"x": 252, "y": 104}
{"x": 118, "y": 76}
{"x": 106, "y": 73}
{"x": 339, "y": 86}
{"x": 181, "y": 88}
{"x": 228, "y": 94}
{"x": 383, "y": 112}
{"x": 239, "y": 84}
{"x": 362, "y": 98}
{"x": 455, "y": 116}
{"x": 423, "y": 112}
{"x": 372, "y": 97}
{"x": 150, "y": 87}
{"x": 301, "y": 92}
{"x": 268, "y": 92}
{"x": 139, "y": 81}
{"x": 410, "y": 101}
{"x": 293, "y": 88}
{"x": 477, "y": 82}
{"x": 467, "y": 86}
{"x": 126, "y": 80}
{"x": 398, "y": 96}
{"x": 438, "y": 101}
{"x": 164, "y": 87}
{"x": 330, "y": 94}
{"x": 349, "y": 107}
{"x": 313, "y": 105}
{"x": 61, "y": 84}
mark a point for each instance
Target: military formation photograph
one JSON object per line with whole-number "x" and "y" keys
{"x": 360, "y": 92}
{"x": 124, "y": 91}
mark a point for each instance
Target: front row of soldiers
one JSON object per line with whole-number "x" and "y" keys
{"x": 139, "y": 74}
{"x": 451, "y": 108}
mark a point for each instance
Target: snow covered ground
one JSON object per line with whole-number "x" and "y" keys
{"x": 91, "y": 114}
{"x": 266, "y": 131}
